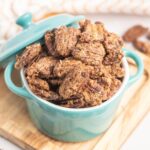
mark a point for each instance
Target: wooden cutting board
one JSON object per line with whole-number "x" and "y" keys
{"x": 16, "y": 126}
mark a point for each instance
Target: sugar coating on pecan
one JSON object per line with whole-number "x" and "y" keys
{"x": 78, "y": 84}
{"x": 30, "y": 52}
{"x": 89, "y": 53}
{"x": 37, "y": 82}
{"x": 115, "y": 70}
{"x": 134, "y": 33}
{"x": 62, "y": 40}
{"x": 43, "y": 67}
{"x": 113, "y": 46}
{"x": 148, "y": 35}
{"x": 41, "y": 88}
{"x": 49, "y": 41}
{"x": 143, "y": 46}
{"x": 63, "y": 67}
{"x": 91, "y": 32}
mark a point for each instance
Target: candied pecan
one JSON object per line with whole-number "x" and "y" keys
{"x": 49, "y": 41}
{"x": 47, "y": 95}
{"x": 110, "y": 86}
{"x": 96, "y": 72}
{"x": 142, "y": 46}
{"x": 30, "y": 52}
{"x": 112, "y": 41}
{"x": 113, "y": 45}
{"x": 115, "y": 85}
{"x": 91, "y": 32}
{"x": 64, "y": 66}
{"x": 41, "y": 88}
{"x": 72, "y": 84}
{"x": 134, "y": 32}
{"x": 62, "y": 40}
{"x": 148, "y": 35}
{"x": 93, "y": 93}
{"x": 89, "y": 53}
{"x": 39, "y": 92}
{"x": 78, "y": 83}
{"x": 115, "y": 70}
{"x": 39, "y": 83}
{"x": 43, "y": 67}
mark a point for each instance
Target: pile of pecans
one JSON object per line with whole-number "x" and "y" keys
{"x": 74, "y": 68}
{"x": 133, "y": 35}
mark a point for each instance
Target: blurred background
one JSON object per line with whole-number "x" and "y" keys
{"x": 11, "y": 9}
{"x": 117, "y": 15}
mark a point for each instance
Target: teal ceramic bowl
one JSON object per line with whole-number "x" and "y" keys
{"x": 68, "y": 124}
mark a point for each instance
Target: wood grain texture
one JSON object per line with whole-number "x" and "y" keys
{"x": 16, "y": 126}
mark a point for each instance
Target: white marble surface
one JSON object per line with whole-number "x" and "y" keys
{"x": 140, "y": 138}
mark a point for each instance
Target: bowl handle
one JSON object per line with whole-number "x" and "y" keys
{"x": 21, "y": 91}
{"x": 139, "y": 64}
